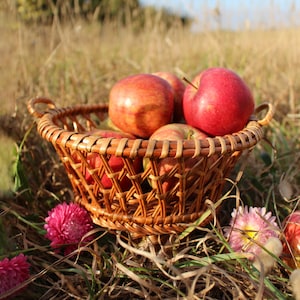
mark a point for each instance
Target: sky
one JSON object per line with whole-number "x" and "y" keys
{"x": 235, "y": 14}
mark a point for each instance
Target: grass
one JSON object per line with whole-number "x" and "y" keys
{"x": 7, "y": 147}
{"x": 78, "y": 62}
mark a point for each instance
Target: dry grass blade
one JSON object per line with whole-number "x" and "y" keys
{"x": 142, "y": 282}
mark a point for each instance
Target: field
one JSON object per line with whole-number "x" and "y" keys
{"x": 78, "y": 62}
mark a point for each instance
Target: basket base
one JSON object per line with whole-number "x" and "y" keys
{"x": 152, "y": 231}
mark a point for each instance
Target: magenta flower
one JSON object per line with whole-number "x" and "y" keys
{"x": 66, "y": 225}
{"x": 13, "y": 272}
{"x": 250, "y": 229}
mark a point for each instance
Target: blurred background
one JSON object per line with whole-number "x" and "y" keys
{"x": 233, "y": 15}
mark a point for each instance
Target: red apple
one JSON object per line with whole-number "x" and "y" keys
{"x": 217, "y": 102}
{"x": 179, "y": 88}
{"x": 140, "y": 104}
{"x": 291, "y": 241}
{"x": 173, "y": 132}
{"x": 115, "y": 162}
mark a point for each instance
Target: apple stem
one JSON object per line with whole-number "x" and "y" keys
{"x": 189, "y": 82}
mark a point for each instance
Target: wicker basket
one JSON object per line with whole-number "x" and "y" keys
{"x": 143, "y": 209}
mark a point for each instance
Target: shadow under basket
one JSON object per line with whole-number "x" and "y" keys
{"x": 143, "y": 206}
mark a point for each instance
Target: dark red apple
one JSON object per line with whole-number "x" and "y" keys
{"x": 115, "y": 162}
{"x": 291, "y": 241}
{"x": 218, "y": 102}
{"x": 174, "y": 132}
{"x": 179, "y": 88}
{"x": 140, "y": 104}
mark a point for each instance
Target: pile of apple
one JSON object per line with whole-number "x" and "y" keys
{"x": 161, "y": 106}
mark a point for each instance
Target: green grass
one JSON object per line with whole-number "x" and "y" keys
{"x": 78, "y": 62}
{"x": 7, "y": 150}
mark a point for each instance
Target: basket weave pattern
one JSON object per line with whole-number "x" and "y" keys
{"x": 144, "y": 208}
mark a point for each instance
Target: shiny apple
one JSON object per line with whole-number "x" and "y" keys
{"x": 179, "y": 88}
{"x": 140, "y": 104}
{"x": 218, "y": 102}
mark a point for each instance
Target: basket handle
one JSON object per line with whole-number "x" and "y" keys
{"x": 36, "y": 101}
{"x": 269, "y": 115}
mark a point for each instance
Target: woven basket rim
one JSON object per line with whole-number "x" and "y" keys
{"x": 85, "y": 141}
